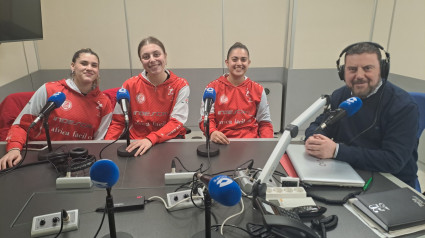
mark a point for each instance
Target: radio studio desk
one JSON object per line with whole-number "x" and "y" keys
{"x": 31, "y": 191}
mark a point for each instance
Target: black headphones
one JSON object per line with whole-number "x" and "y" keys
{"x": 385, "y": 63}
{"x": 80, "y": 159}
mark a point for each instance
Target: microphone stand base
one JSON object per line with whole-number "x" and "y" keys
{"x": 120, "y": 234}
{"x": 123, "y": 153}
{"x": 214, "y": 234}
{"x": 202, "y": 150}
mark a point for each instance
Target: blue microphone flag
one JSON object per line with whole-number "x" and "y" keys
{"x": 351, "y": 105}
{"x": 224, "y": 190}
{"x": 104, "y": 173}
{"x": 122, "y": 93}
{"x": 57, "y": 98}
{"x": 209, "y": 93}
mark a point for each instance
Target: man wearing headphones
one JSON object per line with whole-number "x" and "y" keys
{"x": 381, "y": 136}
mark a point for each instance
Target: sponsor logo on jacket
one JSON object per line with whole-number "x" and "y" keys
{"x": 72, "y": 122}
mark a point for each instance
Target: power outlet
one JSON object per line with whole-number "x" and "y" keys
{"x": 50, "y": 224}
{"x": 285, "y": 192}
{"x": 179, "y": 196}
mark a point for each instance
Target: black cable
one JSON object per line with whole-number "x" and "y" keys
{"x": 230, "y": 225}
{"x": 181, "y": 163}
{"x": 32, "y": 164}
{"x": 8, "y": 170}
{"x": 101, "y": 222}
{"x": 377, "y": 111}
{"x": 214, "y": 217}
{"x": 194, "y": 189}
{"x": 251, "y": 161}
{"x": 56, "y": 168}
{"x": 64, "y": 214}
{"x": 80, "y": 163}
{"x": 185, "y": 185}
{"x": 322, "y": 226}
{"x": 334, "y": 201}
{"x": 209, "y": 163}
{"x": 127, "y": 128}
{"x": 100, "y": 152}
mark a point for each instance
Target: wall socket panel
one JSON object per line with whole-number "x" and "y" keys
{"x": 173, "y": 198}
{"x": 43, "y": 225}
{"x": 73, "y": 182}
{"x": 295, "y": 202}
{"x": 178, "y": 177}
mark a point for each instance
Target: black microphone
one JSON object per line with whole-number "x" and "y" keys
{"x": 123, "y": 98}
{"x": 54, "y": 101}
{"x": 347, "y": 108}
{"x": 209, "y": 99}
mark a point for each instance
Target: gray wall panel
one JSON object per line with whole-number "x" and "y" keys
{"x": 304, "y": 87}
{"x": 43, "y": 76}
{"x": 113, "y": 78}
{"x": 198, "y": 79}
{"x": 407, "y": 83}
{"x": 20, "y": 85}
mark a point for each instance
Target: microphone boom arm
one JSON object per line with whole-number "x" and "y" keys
{"x": 291, "y": 131}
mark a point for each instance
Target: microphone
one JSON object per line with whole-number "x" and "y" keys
{"x": 104, "y": 173}
{"x": 54, "y": 101}
{"x": 123, "y": 98}
{"x": 208, "y": 149}
{"x": 222, "y": 189}
{"x": 209, "y": 99}
{"x": 347, "y": 108}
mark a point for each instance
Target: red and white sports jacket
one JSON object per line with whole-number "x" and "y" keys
{"x": 158, "y": 113}
{"x": 239, "y": 111}
{"x": 81, "y": 117}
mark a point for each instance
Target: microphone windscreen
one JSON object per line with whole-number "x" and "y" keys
{"x": 57, "y": 98}
{"x": 351, "y": 105}
{"x": 224, "y": 190}
{"x": 209, "y": 93}
{"x": 104, "y": 173}
{"x": 122, "y": 93}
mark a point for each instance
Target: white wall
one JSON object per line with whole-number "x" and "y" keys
{"x": 323, "y": 28}
{"x": 71, "y": 25}
{"x": 13, "y": 61}
{"x": 407, "y": 39}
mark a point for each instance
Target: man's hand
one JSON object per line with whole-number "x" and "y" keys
{"x": 320, "y": 146}
{"x": 219, "y": 138}
{"x": 143, "y": 144}
{"x": 10, "y": 159}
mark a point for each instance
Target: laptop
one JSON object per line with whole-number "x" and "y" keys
{"x": 316, "y": 171}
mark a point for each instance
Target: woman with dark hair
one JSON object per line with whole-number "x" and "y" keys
{"x": 241, "y": 109}
{"x": 84, "y": 115}
{"x": 158, "y": 101}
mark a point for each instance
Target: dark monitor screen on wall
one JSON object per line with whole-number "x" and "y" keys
{"x": 20, "y": 20}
